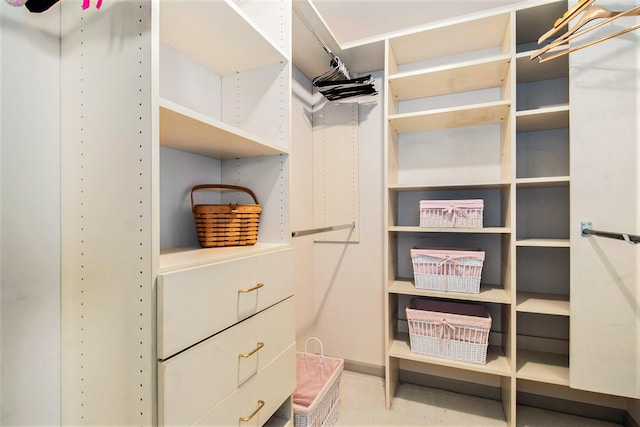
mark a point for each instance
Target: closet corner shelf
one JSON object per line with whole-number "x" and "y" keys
{"x": 467, "y": 35}
{"x": 187, "y": 28}
{"x": 188, "y": 130}
{"x": 530, "y": 302}
{"x": 448, "y": 118}
{"x": 542, "y": 119}
{"x": 416, "y": 229}
{"x": 497, "y": 363}
{"x": 543, "y": 243}
{"x": 548, "y": 368}
{"x": 528, "y": 70}
{"x": 461, "y": 77}
{"x": 489, "y": 185}
{"x": 180, "y": 258}
{"x": 547, "y": 181}
{"x": 488, "y": 293}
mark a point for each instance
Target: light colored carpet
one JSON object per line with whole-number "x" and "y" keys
{"x": 362, "y": 404}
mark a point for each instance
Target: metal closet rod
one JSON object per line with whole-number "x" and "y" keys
{"x": 315, "y": 35}
{"x": 586, "y": 229}
{"x": 322, "y": 229}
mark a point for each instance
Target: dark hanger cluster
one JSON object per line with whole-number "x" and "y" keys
{"x": 337, "y": 83}
{"x": 39, "y": 6}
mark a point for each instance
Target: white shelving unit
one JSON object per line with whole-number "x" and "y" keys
{"x": 239, "y": 74}
{"x": 232, "y": 112}
{"x": 173, "y": 95}
{"x": 470, "y": 116}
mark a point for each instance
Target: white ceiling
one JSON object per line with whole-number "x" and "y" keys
{"x": 354, "y": 29}
{"x": 356, "y": 20}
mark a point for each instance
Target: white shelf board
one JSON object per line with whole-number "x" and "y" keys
{"x": 497, "y": 363}
{"x": 547, "y": 181}
{"x": 448, "y": 118}
{"x": 450, "y": 186}
{"x": 190, "y": 131}
{"x": 463, "y": 77}
{"x": 549, "y": 368}
{"x": 528, "y": 70}
{"x": 542, "y": 119}
{"x": 530, "y": 302}
{"x": 543, "y": 243}
{"x": 180, "y": 258}
{"x": 309, "y": 55}
{"x": 451, "y": 39}
{"x": 488, "y": 293}
{"x": 416, "y": 229}
{"x": 188, "y": 26}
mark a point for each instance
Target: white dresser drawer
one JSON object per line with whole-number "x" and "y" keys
{"x": 260, "y": 396}
{"x": 196, "y": 303}
{"x": 195, "y": 381}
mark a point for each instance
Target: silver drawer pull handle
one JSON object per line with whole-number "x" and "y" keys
{"x": 255, "y": 288}
{"x": 247, "y": 419}
{"x": 254, "y": 351}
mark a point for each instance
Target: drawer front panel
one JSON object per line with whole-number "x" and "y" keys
{"x": 197, "y": 303}
{"x": 193, "y": 382}
{"x": 273, "y": 386}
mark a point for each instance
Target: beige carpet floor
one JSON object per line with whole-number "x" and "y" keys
{"x": 362, "y": 404}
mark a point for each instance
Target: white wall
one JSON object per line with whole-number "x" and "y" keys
{"x": 339, "y": 286}
{"x": 30, "y": 216}
{"x": 301, "y": 203}
{"x": 349, "y": 286}
{"x": 605, "y": 179}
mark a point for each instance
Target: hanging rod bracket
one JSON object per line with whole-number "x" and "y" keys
{"x": 585, "y": 227}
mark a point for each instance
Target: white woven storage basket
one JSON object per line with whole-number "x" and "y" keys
{"x": 452, "y": 213}
{"x": 447, "y": 269}
{"x": 449, "y": 330}
{"x": 317, "y": 396}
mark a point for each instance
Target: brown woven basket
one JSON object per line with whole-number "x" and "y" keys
{"x": 226, "y": 225}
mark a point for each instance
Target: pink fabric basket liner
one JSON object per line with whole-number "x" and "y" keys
{"x": 447, "y": 253}
{"x": 470, "y": 203}
{"x": 315, "y": 376}
{"x": 472, "y": 315}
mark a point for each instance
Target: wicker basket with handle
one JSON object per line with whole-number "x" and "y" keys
{"x": 226, "y": 225}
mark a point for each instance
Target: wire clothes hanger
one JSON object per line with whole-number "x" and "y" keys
{"x": 335, "y": 90}
{"x": 338, "y": 71}
{"x": 590, "y": 13}
{"x": 337, "y": 83}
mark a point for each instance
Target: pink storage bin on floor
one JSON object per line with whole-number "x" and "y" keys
{"x": 454, "y": 270}
{"x": 316, "y": 398}
{"x": 452, "y": 213}
{"x": 449, "y": 330}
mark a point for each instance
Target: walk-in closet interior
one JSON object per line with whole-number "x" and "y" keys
{"x": 339, "y": 120}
